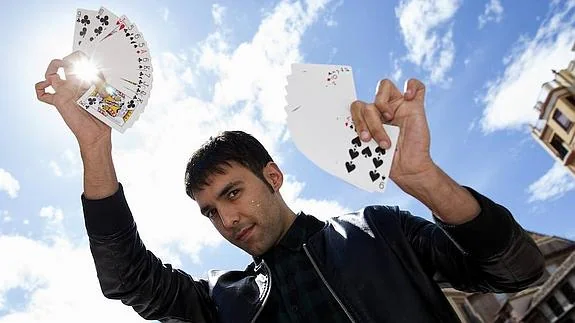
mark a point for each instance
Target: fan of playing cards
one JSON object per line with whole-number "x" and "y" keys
{"x": 114, "y": 47}
{"x": 320, "y": 124}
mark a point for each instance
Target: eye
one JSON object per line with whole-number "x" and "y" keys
{"x": 232, "y": 195}
{"x": 211, "y": 214}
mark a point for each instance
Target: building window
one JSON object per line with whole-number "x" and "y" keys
{"x": 562, "y": 120}
{"x": 555, "y": 306}
{"x": 557, "y": 143}
{"x": 569, "y": 292}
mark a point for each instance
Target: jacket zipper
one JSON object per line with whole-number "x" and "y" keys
{"x": 268, "y": 294}
{"x": 326, "y": 284}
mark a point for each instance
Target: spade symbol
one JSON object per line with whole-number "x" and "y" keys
{"x": 350, "y": 166}
{"x": 380, "y": 150}
{"x": 377, "y": 162}
{"x": 374, "y": 175}
{"x": 353, "y": 153}
{"x": 366, "y": 152}
{"x": 356, "y": 142}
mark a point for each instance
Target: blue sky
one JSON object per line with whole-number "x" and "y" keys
{"x": 223, "y": 66}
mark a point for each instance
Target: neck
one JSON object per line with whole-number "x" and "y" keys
{"x": 288, "y": 217}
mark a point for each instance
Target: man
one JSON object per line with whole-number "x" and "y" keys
{"x": 380, "y": 264}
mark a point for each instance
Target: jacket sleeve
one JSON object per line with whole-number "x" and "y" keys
{"x": 129, "y": 272}
{"x": 490, "y": 253}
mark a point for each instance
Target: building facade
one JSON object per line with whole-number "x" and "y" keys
{"x": 555, "y": 127}
{"x": 552, "y": 301}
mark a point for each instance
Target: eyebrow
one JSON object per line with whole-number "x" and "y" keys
{"x": 222, "y": 193}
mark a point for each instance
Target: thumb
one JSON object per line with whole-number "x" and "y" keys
{"x": 414, "y": 89}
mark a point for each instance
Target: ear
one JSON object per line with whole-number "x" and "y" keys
{"x": 273, "y": 175}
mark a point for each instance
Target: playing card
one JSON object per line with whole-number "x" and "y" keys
{"x": 109, "y": 105}
{"x": 117, "y": 49}
{"x": 85, "y": 20}
{"x": 117, "y": 24}
{"x": 319, "y": 99}
{"x": 104, "y": 22}
{"x": 125, "y": 61}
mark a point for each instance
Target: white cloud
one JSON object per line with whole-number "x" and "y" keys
{"x": 56, "y": 168}
{"x": 493, "y": 12}
{"x": 554, "y": 184}
{"x": 510, "y": 98}
{"x": 165, "y": 14}
{"x": 59, "y": 280}
{"x": 6, "y": 216}
{"x": 218, "y": 12}
{"x": 52, "y": 214}
{"x": 69, "y": 164}
{"x": 397, "y": 71}
{"x": 9, "y": 184}
{"x": 426, "y": 27}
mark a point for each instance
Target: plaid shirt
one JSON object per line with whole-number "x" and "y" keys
{"x": 298, "y": 293}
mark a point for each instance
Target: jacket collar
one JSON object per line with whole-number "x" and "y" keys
{"x": 301, "y": 229}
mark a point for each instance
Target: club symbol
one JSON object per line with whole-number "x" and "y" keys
{"x": 98, "y": 30}
{"x": 131, "y": 105}
{"x": 356, "y": 142}
{"x": 374, "y": 175}
{"x": 104, "y": 20}
{"x": 91, "y": 101}
{"x": 353, "y": 153}
{"x": 85, "y": 20}
{"x": 377, "y": 162}
{"x": 349, "y": 166}
{"x": 366, "y": 152}
{"x": 83, "y": 32}
{"x": 380, "y": 151}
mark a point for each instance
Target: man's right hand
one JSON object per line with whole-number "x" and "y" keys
{"x": 89, "y": 131}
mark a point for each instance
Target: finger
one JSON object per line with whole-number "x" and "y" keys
{"x": 357, "y": 117}
{"x": 387, "y": 94}
{"x": 41, "y": 93}
{"x": 372, "y": 117}
{"x": 53, "y": 67}
{"x": 414, "y": 89}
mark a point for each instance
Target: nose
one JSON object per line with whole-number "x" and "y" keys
{"x": 229, "y": 217}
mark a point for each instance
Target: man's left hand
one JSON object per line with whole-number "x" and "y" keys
{"x": 412, "y": 160}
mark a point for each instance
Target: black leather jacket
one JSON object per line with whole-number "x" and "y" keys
{"x": 381, "y": 264}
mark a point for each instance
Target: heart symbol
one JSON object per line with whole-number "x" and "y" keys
{"x": 374, "y": 175}
{"x": 380, "y": 150}
{"x": 377, "y": 162}
{"x": 356, "y": 142}
{"x": 353, "y": 153}
{"x": 350, "y": 167}
{"x": 366, "y": 152}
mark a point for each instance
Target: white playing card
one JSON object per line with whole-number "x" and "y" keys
{"x": 104, "y": 22}
{"x": 319, "y": 99}
{"x": 109, "y": 105}
{"x": 118, "y": 24}
{"x": 125, "y": 61}
{"x": 118, "y": 50}
{"x": 85, "y": 20}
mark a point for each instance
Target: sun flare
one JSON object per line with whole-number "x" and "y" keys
{"x": 85, "y": 70}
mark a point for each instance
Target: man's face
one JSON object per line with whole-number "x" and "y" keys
{"x": 243, "y": 209}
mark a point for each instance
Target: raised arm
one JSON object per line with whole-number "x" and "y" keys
{"x": 489, "y": 253}
{"x": 126, "y": 269}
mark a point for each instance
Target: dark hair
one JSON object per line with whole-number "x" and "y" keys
{"x": 218, "y": 151}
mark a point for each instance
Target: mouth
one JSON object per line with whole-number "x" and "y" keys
{"x": 244, "y": 233}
